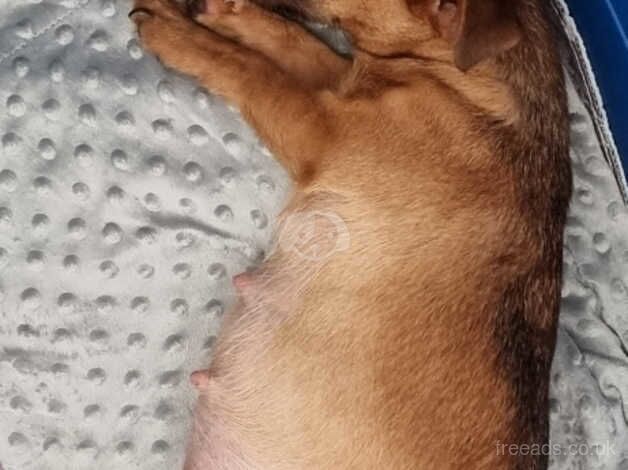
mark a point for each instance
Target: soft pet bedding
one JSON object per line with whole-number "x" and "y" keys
{"x": 129, "y": 197}
{"x": 128, "y": 200}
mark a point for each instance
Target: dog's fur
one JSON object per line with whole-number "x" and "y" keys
{"x": 439, "y": 151}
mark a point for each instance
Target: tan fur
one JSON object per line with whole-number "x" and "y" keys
{"x": 424, "y": 340}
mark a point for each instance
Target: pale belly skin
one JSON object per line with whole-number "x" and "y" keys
{"x": 240, "y": 393}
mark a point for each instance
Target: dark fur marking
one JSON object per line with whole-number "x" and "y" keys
{"x": 525, "y": 326}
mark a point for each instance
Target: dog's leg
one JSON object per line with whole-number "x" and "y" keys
{"x": 295, "y": 121}
{"x": 286, "y": 43}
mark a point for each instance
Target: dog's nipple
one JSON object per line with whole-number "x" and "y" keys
{"x": 200, "y": 379}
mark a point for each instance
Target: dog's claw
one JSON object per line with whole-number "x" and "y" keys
{"x": 140, "y": 12}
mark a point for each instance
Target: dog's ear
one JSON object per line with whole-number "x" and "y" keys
{"x": 477, "y": 29}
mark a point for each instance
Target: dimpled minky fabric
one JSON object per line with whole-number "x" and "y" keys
{"x": 129, "y": 197}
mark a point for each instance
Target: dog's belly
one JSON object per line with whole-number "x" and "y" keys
{"x": 234, "y": 429}
{"x": 220, "y": 439}
{"x": 234, "y": 426}
{"x": 213, "y": 445}
{"x": 308, "y": 368}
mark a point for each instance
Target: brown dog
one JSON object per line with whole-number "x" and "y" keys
{"x": 414, "y": 328}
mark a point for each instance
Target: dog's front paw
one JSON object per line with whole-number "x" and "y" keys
{"x": 146, "y": 10}
{"x": 164, "y": 29}
{"x": 159, "y": 18}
